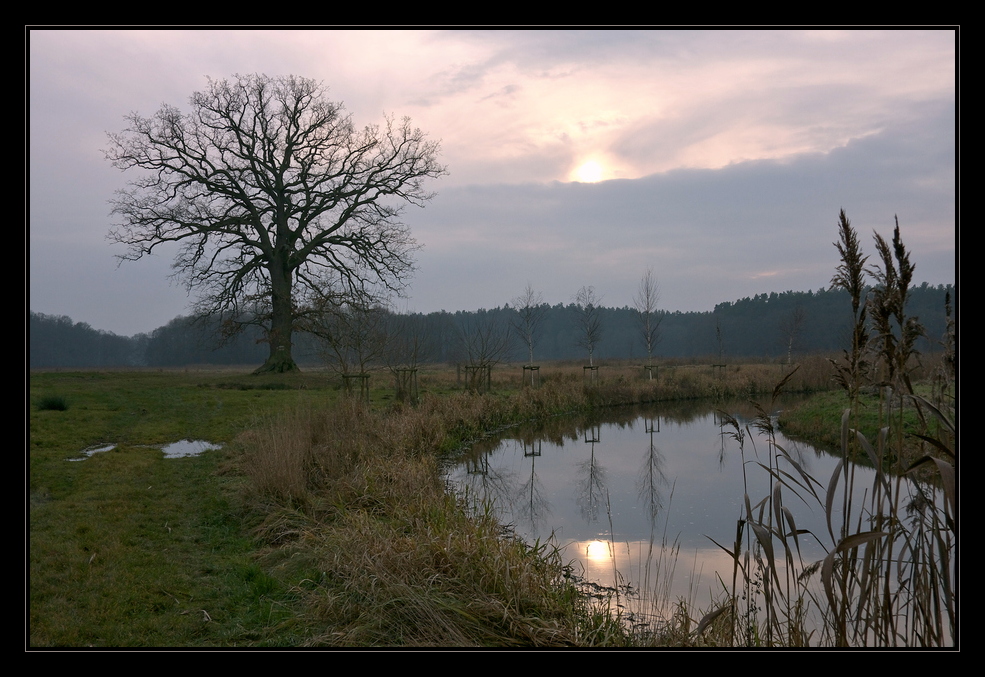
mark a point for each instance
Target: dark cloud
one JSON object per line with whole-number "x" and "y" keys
{"x": 710, "y": 234}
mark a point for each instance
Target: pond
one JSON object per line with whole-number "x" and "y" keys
{"x": 635, "y": 496}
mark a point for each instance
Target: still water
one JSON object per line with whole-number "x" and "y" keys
{"x": 634, "y": 496}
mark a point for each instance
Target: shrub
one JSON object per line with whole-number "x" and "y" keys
{"x": 52, "y": 403}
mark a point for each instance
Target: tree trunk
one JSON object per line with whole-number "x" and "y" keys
{"x": 281, "y": 321}
{"x": 280, "y": 360}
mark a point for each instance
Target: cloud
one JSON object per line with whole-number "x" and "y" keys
{"x": 733, "y": 152}
{"x": 746, "y": 228}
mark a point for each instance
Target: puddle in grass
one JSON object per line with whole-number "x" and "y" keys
{"x": 187, "y": 448}
{"x": 178, "y": 449}
{"x": 89, "y": 451}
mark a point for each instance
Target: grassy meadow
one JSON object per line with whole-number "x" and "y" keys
{"x": 323, "y": 520}
{"x": 128, "y": 548}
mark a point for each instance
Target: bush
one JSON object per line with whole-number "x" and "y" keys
{"x": 52, "y": 403}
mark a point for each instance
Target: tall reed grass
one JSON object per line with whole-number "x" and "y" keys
{"x": 888, "y": 578}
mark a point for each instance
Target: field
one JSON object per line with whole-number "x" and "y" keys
{"x": 322, "y": 521}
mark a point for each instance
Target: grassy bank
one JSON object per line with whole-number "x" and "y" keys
{"x": 321, "y": 522}
{"x": 356, "y": 519}
{"x": 380, "y": 555}
{"x": 819, "y": 420}
{"x": 128, "y": 548}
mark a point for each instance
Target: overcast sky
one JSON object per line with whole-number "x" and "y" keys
{"x": 718, "y": 158}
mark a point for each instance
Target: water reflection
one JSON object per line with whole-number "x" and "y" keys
{"x": 651, "y": 482}
{"x": 179, "y": 449}
{"x": 636, "y": 497}
{"x": 591, "y": 479}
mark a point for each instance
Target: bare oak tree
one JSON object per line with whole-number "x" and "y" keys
{"x": 273, "y": 196}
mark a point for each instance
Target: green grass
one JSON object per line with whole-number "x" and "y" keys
{"x": 818, "y": 420}
{"x": 128, "y": 548}
{"x": 143, "y": 551}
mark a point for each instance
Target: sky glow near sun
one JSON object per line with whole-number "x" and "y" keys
{"x": 589, "y": 172}
{"x": 732, "y": 149}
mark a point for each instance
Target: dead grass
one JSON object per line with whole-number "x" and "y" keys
{"x": 357, "y": 516}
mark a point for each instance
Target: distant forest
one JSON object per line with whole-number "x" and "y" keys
{"x": 770, "y": 326}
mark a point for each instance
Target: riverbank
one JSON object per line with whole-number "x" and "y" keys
{"x": 817, "y": 420}
{"x": 320, "y": 522}
{"x": 356, "y": 513}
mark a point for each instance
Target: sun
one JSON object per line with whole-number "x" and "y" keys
{"x": 589, "y": 172}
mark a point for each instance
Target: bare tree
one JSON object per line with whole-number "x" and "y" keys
{"x": 790, "y": 328}
{"x": 589, "y": 321}
{"x": 486, "y": 340}
{"x": 353, "y": 337}
{"x": 719, "y": 338}
{"x": 273, "y": 195}
{"x": 410, "y": 341}
{"x": 530, "y": 310}
{"x": 592, "y": 477}
{"x": 645, "y": 301}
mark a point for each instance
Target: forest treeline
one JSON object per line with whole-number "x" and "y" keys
{"x": 772, "y": 326}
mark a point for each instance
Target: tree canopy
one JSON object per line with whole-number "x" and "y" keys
{"x": 279, "y": 204}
